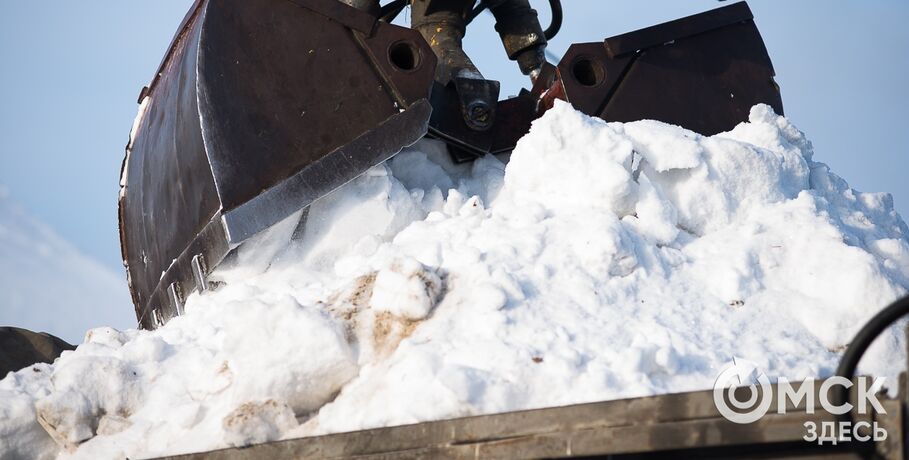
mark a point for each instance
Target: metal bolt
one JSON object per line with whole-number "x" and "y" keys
{"x": 479, "y": 115}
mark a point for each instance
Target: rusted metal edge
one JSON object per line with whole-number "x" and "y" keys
{"x": 180, "y": 35}
{"x": 300, "y": 190}
{"x": 649, "y": 37}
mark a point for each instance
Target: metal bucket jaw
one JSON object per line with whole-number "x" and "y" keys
{"x": 703, "y": 72}
{"x": 259, "y": 108}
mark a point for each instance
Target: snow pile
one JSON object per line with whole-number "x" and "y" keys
{"x": 46, "y": 284}
{"x": 605, "y": 261}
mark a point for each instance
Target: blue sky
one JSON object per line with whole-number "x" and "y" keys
{"x": 72, "y": 70}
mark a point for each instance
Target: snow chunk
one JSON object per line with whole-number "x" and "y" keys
{"x": 553, "y": 164}
{"x": 87, "y": 389}
{"x": 406, "y": 289}
{"x": 665, "y": 146}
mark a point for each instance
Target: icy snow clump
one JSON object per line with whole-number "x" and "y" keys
{"x": 606, "y": 260}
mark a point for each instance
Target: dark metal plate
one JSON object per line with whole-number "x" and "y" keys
{"x": 704, "y": 72}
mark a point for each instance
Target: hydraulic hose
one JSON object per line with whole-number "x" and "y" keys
{"x": 390, "y": 11}
{"x": 555, "y": 24}
{"x": 865, "y": 337}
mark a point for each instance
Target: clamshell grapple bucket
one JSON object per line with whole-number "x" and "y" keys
{"x": 261, "y": 107}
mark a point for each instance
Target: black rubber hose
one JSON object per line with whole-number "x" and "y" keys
{"x": 555, "y": 24}
{"x": 865, "y": 337}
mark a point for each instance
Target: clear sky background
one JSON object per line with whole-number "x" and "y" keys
{"x": 70, "y": 73}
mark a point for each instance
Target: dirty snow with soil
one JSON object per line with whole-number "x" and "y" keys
{"x": 606, "y": 260}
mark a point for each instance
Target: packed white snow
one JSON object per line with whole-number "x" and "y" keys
{"x": 46, "y": 284}
{"x": 605, "y": 260}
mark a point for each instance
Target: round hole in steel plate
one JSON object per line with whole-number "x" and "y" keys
{"x": 404, "y": 56}
{"x": 588, "y": 72}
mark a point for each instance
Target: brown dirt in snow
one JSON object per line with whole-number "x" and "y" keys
{"x": 388, "y": 331}
{"x": 347, "y": 305}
